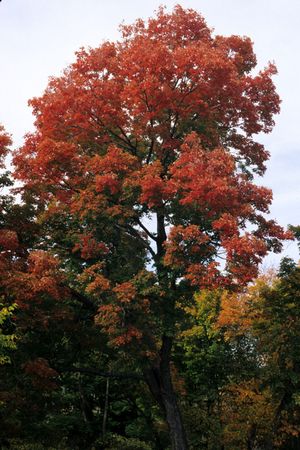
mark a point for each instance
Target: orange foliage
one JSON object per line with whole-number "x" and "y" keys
{"x": 161, "y": 123}
{"x": 245, "y": 407}
{"x": 5, "y": 142}
{"x": 89, "y": 247}
{"x": 235, "y": 315}
{"x": 41, "y": 373}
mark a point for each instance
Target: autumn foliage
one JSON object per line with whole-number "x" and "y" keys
{"x": 162, "y": 122}
{"x": 139, "y": 178}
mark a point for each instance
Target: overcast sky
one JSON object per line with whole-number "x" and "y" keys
{"x": 38, "y": 38}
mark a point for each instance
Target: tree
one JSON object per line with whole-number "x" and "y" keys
{"x": 260, "y": 399}
{"x": 276, "y": 328}
{"x": 7, "y": 243}
{"x": 142, "y": 163}
{"x": 205, "y": 362}
{"x": 7, "y": 341}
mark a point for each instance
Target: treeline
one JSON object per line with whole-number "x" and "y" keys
{"x": 234, "y": 363}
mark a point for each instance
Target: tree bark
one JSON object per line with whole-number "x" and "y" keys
{"x": 251, "y": 437}
{"x": 159, "y": 377}
{"x": 173, "y": 415}
{"x": 160, "y": 384}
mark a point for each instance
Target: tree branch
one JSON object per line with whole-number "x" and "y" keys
{"x": 83, "y": 299}
{"x": 145, "y": 229}
{"x": 100, "y": 373}
{"x": 134, "y": 233}
{"x": 150, "y": 151}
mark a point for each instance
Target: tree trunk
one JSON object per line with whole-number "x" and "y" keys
{"x": 160, "y": 384}
{"x": 251, "y": 437}
{"x": 159, "y": 377}
{"x": 173, "y": 416}
{"x": 105, "y": 412}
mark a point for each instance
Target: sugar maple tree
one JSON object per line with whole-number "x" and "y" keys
{"x": 144, "y": 155}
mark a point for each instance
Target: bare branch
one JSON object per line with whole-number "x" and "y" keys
{"x": 145, "y": 229}
{"x": 134, "y": 233}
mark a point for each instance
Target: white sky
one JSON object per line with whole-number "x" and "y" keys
{"x": 38, "y": 38}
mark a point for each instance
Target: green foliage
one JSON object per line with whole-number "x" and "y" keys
{"x": 296, "y": 232}
{"x": 21, "y": 445}
{"x": 117, "y": 442}
{"x": 7, "y": 341}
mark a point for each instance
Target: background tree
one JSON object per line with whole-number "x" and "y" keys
{"x": 276, "y": 328}
{"x": 259, "y": 399}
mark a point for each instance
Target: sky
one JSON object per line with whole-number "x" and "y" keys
{"x": 38, "y": 39}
